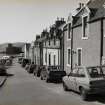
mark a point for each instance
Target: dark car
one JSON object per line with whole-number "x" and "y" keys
{"x": 31, "y": 68}
{"x": 52, "y": 73}
{"x": 3, "y": 70}
{"x": 20, "y": 60}
{"x": 27, "y": 66}
{"x": 24, "y": 62}
{"x": 8, "y": 62}
{"x": 37, "y": 70}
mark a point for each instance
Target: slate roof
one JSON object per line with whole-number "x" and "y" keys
{"x": 97, "y": 10}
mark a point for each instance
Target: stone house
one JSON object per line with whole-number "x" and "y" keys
{"x": 52, "y": 45}
{"x": 84, "y": 37}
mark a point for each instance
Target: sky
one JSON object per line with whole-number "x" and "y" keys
{"x": 22, "y": 20}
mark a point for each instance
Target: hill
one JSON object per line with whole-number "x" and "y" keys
{"x": 4, "y": 45}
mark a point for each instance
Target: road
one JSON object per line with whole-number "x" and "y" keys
{"x": 22, "y": 88}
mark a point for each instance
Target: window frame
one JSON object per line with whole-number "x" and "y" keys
{"x": 81, "y": 75}
{"x": 77, "y": 56}
{"x": 69, "y": 31}
{"x": 54, "y": 59}
{"x": 68, "y": 57}
{"x": 83, "y": 27}
{"x": 49, "y": 42}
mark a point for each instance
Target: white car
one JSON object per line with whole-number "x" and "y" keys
{"x": 86, "y": 80}
{"x": 6, "y": 57}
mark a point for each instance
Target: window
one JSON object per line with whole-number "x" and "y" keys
{"x": 84, "y": 27}
{"x": 54, "y": 59}
{"x": 74, "y": 73}
{"x": 54, "y": 41}
{"x": 104, "y": 29}
{"x": 96, "y": 72}
{"x": 49, "y": 42}
{"x": 45, "y": 43}
{"x": 46, "y": 57}
{"x": 49, "y": 59}
{"x": 81, "y": 72}
{"x": 69, "y": 31}
{"x": 69, "y": 56}
{"x": 79, "y": 56}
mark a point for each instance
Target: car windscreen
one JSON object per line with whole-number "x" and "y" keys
{"x": 96, "y": 72}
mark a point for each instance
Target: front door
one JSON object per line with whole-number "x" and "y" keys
{"x": 79, "y": 57}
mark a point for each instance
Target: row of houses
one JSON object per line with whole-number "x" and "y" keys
{"x": 78, "y": 41}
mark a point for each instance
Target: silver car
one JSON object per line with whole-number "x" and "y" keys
{"x": 86, "y": 80}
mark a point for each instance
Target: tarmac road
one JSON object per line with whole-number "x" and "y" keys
{"x": 22, "y": 88}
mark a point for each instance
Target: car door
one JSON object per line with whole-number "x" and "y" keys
{"x": 81, "y": 79}
{"x": 72, "y": 79}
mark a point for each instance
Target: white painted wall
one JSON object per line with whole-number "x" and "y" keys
{"x": 52, "y": 52}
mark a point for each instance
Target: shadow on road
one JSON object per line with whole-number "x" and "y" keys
{"x": 9, "y": 75}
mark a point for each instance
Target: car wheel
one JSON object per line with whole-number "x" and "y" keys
{"x": 34, "y": 73}
{"x": 65, "y": 87}
{"x": 41, "y": 77}
{"x": 47, "y": 80}
{"x": 83, "y": 94}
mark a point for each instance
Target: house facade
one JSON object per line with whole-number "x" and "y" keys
{"x": 27, "y": 50}
{"x": 84, "y": 37}
{"x": 31, "y": 51}
{"x": 52, "y": 45}
{"x": 37, "y": 51}
{"x": 48, "y": 46}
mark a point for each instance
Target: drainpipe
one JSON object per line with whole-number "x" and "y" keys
{"x": 101, "y": 42}
{"x": 63, "y": 44}
{"x": 71, "y": 47}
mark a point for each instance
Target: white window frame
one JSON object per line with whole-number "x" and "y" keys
{"x": 77, "y": 55}
{"x": 83, "y": 16}
{"x": 70, "y": 57}
{"x": 68, "y": 32}
{"x": 104, "y": 28}
{"x": 54, "y": 56}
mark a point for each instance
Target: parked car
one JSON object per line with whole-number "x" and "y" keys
{"x": 27, "y": 66}
{"x": 8, "y": 62}
{"x": 20, "y": 60}
{"x": 31, "y": 68}
{"x": 3, "y": 70}
{"x": 37, "y": 70}
{"x": 5, "y": 57}
{"x": 86, "y": 81}
{"x": 25, "y": 61}
{"x": 52, "y": 73}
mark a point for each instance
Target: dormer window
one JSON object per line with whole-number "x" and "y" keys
{"x": 85, "y": 27}
{"x": 69, "y": 31}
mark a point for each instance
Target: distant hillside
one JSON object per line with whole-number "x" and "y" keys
{"x": 4, "y": 45}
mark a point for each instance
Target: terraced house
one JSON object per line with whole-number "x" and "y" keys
{"x": 38, "y": 50}
{"x": 52, "y": 45}
{"x": 84, "y": 36}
